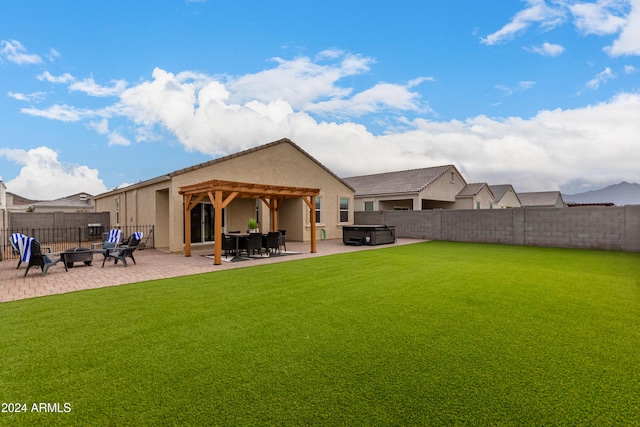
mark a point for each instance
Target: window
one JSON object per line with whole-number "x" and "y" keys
{"x": 368, "y": 206}
{"x": 318, "y": 209}
{"x": 344, "y": 209}
{"x": 400, "y": 208}
{"x": 117, "y": 210}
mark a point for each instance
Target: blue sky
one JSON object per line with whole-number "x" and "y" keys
{"x": 543, "y": 95}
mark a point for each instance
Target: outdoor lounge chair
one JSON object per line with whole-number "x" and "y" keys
{"x": 123, "y": 252}
{"x": 14, "y": 239}
{"x": 39, "y": 259}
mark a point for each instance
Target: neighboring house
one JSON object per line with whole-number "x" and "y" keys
{"x": 4, "y": 207}
{"x": 416, "y": 189}
{"x": 505, "y": 196}
{"x": 278, "y": 165}
{"x": 81, "y": 202}
{"x": 475, "y": 196}
{"x": 541, "y": 199}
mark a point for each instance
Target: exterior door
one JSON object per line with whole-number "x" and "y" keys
{"x": 202, "y": 220}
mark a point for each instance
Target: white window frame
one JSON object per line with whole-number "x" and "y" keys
{"x": 341, "y": 211}
{"x": 318, "y": 202}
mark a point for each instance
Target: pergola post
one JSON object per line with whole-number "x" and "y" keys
{"x": 187, "y": 224}
{"x": 311, "y": 202}
{"x": 274, "y": 220}
{"x": 217, "y": 226}
{"x": 313, "y": 224}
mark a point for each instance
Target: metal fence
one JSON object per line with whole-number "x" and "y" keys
{"x": 61, "y": 239}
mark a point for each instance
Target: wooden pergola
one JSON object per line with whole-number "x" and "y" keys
{"x": 221, "y": 193}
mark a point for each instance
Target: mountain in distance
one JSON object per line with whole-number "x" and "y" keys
{"x": 620, "y": 194}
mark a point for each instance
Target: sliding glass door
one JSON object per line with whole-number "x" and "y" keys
{"x": 202, "y": 217}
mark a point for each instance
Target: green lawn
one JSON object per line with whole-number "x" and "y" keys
{"x": 427, "y": 334}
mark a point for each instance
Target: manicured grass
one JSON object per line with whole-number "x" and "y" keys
{"x": 427, "y": 334}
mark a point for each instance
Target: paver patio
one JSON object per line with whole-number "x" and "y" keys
{"x": 151, "y": 264}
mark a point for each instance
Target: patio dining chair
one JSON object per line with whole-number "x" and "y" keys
{"x": 39, "y": 259}
{"x": 272, "y": 242}
{"x": 283, "y": 240}
{"x": 252, "y": 243}
{"x": 228, "y": 245}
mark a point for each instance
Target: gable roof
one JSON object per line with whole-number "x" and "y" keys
{"x": 407, "y": 181}
{"x": 540, "y": 198}
{"x": 500, "y": 190}
{"x": 225, "y": 158}
{"x": 471, "y": 190}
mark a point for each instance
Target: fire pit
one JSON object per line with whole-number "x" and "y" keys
{"x": 77, "y": 255}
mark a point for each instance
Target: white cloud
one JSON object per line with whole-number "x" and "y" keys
{"x": 53, "y": 55}
{"x": 102, "y": 127}
{"x": 41, "y": 168}
{"x": 300, "y": 81}
{"x": 547, "y": 49}
{"x": 630, "y": 69}
{"x": 601, "y": 17}
{"x": 35, "y": 96}
{"x": 537, "y": 12}
{"x": 205, "y": 115}
{"x": 15, "y": 52}
{"x": 381, "y": 96}
{"x": 63, "y": 113}
{"x": 90, "y": 87}
{"x": 600, "y": 78}
{"x": 116, "y": 138}
{"x": 628, "y": 43}
{"x": 544, "y": 152}
{"x": 47, "y": 76}
{"x": 522, "y": 86}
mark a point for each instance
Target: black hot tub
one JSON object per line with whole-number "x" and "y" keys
{"x": 368, "y": 234}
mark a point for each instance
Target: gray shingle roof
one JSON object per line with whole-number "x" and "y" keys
{"x": 539, "y": 198}
{"x": 470, "y": 190}
{"x": 407, "y": 181}
{"x": 499, "y": 190}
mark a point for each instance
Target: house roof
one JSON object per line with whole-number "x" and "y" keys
{"x": 67, "y": 202}
{"x": 229, "y": 157}
{"x": 407, "y": 181}
{"x": 500, "y": 190}
{"x": 473, "y": 189}
{"x": 540, "y": 198}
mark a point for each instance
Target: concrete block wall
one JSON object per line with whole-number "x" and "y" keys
{"x": 483, "y": 226}
{"x": 589, "y": 228}
{"x": 606, "y": 228}
{"x": 26, "y": 220}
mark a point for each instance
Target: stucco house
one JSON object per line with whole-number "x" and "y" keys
{"x": 270, "y": 183}
{"x": 505, "y": 196}
{"x": 475, "y": 196}
{"x": 416, "y": 189}
{"x": 4, "y": 208}
{"x": 542, "y": 199}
